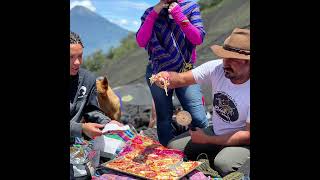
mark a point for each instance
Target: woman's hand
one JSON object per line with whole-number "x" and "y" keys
{"x": 162, "y": 4}
{"x": 172, "y": 5}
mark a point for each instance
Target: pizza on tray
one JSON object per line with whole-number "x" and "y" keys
{"x": 146, "y": 158}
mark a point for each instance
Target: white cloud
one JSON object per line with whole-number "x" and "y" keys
{"x": 134, "y": 5}
{"x": 86, "y": 3}
{"x": 123, "y": 22}
{"x": 135, "y": 22}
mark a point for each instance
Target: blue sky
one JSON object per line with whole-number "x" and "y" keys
{"x": 125, "y": 13}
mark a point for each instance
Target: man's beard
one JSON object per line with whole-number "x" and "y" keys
{"x": 228, "y": 72}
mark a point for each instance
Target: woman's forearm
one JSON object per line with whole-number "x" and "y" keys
{"x": 145, "y": 31}
{"x": 192, "y": 32}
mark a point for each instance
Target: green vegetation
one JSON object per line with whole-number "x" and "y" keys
{"x": 95, "y": 61}
{"x": 127, "y": 45}
{"x": 205, "y": 4}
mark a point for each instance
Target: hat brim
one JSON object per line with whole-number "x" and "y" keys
{"x": 222, "y": 53}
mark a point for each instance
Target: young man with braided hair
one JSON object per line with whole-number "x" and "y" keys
{"x": 85, "y": 114}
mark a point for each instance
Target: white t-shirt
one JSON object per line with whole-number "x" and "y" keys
{"x": 231, "y": 102}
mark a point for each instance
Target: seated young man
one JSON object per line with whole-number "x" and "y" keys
{"x": 86, "y": 118}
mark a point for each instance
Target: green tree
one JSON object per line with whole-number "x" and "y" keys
{"x": 205, "y": 4}
{"x": 110, "y": 53}
{"x": 95, "y": 61}
{"x": 98, "y": 61}
{"x": 127, "y": 44}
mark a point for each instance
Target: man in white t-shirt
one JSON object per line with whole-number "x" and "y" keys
{"x": 228, "y": 141}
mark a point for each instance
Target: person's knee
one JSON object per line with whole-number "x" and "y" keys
{"x": 180, "y": 142}
{"x": 172, "y": 145}
{"x": 175, "y": 144}
{"x": 223, "y": 166}
{"x": 230, "y": 159}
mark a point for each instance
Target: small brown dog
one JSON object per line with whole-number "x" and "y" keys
{"x": 108, "y": 100}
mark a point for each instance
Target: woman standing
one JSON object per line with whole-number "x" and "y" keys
{"x": 170, "y": 32}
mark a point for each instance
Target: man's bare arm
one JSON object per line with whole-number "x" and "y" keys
{"x": 237, "y": 138}
{"x": 175, "y": 79}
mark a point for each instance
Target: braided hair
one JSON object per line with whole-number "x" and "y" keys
{"x": 75, "y": 39}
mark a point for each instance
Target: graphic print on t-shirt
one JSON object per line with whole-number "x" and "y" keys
{"x": 225, "y": 107}
{"x": 82, "y": 91}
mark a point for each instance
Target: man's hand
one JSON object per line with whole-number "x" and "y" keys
{"x": 161, "y": 78}
{"x": 162, "y": 4}
{"x": 198, "y": 136}
{"x": 92, "y": 129}
{"x": 116, "y": 122}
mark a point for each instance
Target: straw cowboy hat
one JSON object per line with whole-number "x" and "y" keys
{"x": 236, "y": 46}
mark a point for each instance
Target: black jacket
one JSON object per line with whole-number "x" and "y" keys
{"x": 84, "y": 102}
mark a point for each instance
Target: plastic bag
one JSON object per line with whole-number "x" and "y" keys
{"x": 83, "y": 157}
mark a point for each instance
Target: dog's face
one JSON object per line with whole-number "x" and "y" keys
{"x": 102, "y": 85}
{"x": 109, "y": 102}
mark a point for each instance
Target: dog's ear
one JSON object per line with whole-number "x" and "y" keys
{"x": 105, "y": 81}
